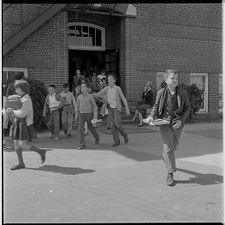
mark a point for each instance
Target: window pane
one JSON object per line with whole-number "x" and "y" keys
{"x": 92, "y": 35}
{"x": 4, "y": 76}
{"x": 98, "y": 37}
{"x": 11, "y": 76}
{"x": 85, "y": 31}
{"x": 78, "y": 31}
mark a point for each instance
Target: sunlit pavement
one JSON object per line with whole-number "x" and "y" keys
{"x": 118, "y": 184}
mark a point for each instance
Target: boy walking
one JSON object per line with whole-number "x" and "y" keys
{"x": 87, "y": 110}
{"x": 171, "y": 104}
{"x": 53, "y": 102}
{"x": 113, "y": 96}
{"x": 69, "y": 108}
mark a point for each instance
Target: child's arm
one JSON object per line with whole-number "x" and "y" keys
{"x": 24, "y": 110}
{"x": 61, "y": 99}
{"x": 186, "y": 108}
{"x": 100, "y": 93}
{"x": 74, "y": 105}
{"x": 124, "y": 101}
{"x": 94, "y": 106}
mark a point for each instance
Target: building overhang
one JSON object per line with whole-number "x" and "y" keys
{"x": 122, "y": 10}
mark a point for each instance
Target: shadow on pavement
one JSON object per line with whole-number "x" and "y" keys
{"x": 63, "y": 170}
{"x": 202, "y": 179}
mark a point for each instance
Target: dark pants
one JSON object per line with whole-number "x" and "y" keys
{"x": 86, "y": 117}
{"x": 53, "y": 123}
{"x": 115, "y": 121}
{"x": 170, "y": 139}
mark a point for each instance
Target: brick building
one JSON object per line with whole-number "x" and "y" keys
{"x": 137, "y": 41}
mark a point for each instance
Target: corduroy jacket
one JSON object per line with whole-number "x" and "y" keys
{"x": 183, "y": 104}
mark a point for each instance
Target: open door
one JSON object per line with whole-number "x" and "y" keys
{"x": 112, "y": 63}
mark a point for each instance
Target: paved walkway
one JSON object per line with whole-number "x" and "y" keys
{"x": 120, "y": 184}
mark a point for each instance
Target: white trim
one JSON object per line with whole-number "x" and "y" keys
{"x": 93, "y": 48}
{"x": 25, "y": 70}
{"x": 206, "y": 93}
{"x": 131, "y": 10}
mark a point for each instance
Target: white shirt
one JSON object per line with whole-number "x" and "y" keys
{"x": 111, "y": 97}
{"x": 53, "y": 102}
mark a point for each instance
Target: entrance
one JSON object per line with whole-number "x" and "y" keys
{"x": 93, "y": 61}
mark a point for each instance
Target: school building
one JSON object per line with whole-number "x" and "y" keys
{"x": 138, "y": 42}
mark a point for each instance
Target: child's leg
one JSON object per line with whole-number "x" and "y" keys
{"x": 65, "y": 120}
{"x": 56, "y": 122}
{"x": 50, "y": 124}
{"x": 20, "y": 165}
{"x": 85, "y": 128}
{"x": 70, "y": 122}
{"x": 169, "y": 159}
{"x": 89, "y": 117}
{"x": 114, "y": 128}
{"x": 81, "y": 129}
{"x": 135, "y": 115}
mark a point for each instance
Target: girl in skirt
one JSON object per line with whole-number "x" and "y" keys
{"x": 23, "y": 117}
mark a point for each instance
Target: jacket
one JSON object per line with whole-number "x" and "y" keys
{"x": 26, "y": 110}
{"x": 183, "y": 104}
{"x": 147, "y": 97}
{"x": 46, "y": 109}
{"x": 119, "y": 97}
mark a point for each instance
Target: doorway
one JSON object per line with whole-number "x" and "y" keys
{"x": 89, "y": 61}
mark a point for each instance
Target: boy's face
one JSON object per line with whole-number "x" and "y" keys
{"x": 66, "y": 89}
{"x": 84, "y": 88}
{"x": 111, "y": 80}
{"x": 19, "y": 91}
{"x": 51, "y": 90}
{"x": 172, "y": 80}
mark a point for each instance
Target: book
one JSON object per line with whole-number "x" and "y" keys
{"x": 158, "y": 122}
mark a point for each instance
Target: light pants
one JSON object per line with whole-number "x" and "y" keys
{"x": 115, "y": 121}
{"x": 67, "y": 120}
{"x": 170, "y": 139}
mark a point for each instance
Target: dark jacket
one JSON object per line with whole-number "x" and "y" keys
{"x": 183, "y": 104}
{"x": 147, "y": 97}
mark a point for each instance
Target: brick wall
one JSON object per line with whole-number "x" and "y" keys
{"x": 44, "y": 53}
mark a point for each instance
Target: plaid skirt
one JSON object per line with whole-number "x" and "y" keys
{"x": 19, "y": 130}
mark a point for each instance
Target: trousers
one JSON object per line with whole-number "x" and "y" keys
{"x": 170, "y": 139}
{"x": 67, "y": 120}
{"x": 115, "y": 121}
{"x": 53, "y": 123}
{"x": 86, "y": 117}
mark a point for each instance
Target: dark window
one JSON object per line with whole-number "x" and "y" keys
{"x": 92, "y": 34}
{"x": 98, "y": 37}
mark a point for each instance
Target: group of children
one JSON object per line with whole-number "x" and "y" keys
{"x": 171, "y": 104}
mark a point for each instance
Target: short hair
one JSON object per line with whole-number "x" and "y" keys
{"x": 149, "y": 83}
{"x": 65, "y": 85}
{"x": 19, "y": 76}
{"x": 169, "y": 71}
{"x": 112, "y": 75}
{"x": 52, "y": 85}
{"x": 23, "y": 85}
{"x": 84, "y": 82}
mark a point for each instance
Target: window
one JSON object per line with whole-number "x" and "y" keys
{"x": 85, "y": 36}
{"x": 201, "y": 80}
{"x": 8, "y": 74}
{"x": 220, "y": 92}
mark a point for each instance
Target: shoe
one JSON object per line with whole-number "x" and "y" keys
{"x": 116, "y": 144}
{"x": 81, "y": 147}
{"x": 169, "y": 180}
{"x": 56, "y": 138}
{"x": 17, "y": 167}
{"x": 43, "y": 156}
{"x": 140, "y": 125}
{"x": 147, "y": 120}
{"x": 51, "y": 135}
{"x": 97, "y": 140}
{"x": 68, "y": 135}
{"x": 126, "y": 139}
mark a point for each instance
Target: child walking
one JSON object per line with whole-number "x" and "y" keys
{"x": 113, "y": 96}
{"x": 87, "y": 110}
{"x": 69, "y": 108}
{"x": 171, "y": 104}
{"x": 53, "y": 102}
{"x": 23, "y": 117}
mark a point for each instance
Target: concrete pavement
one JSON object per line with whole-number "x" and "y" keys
{"x": 118, "y": 184}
